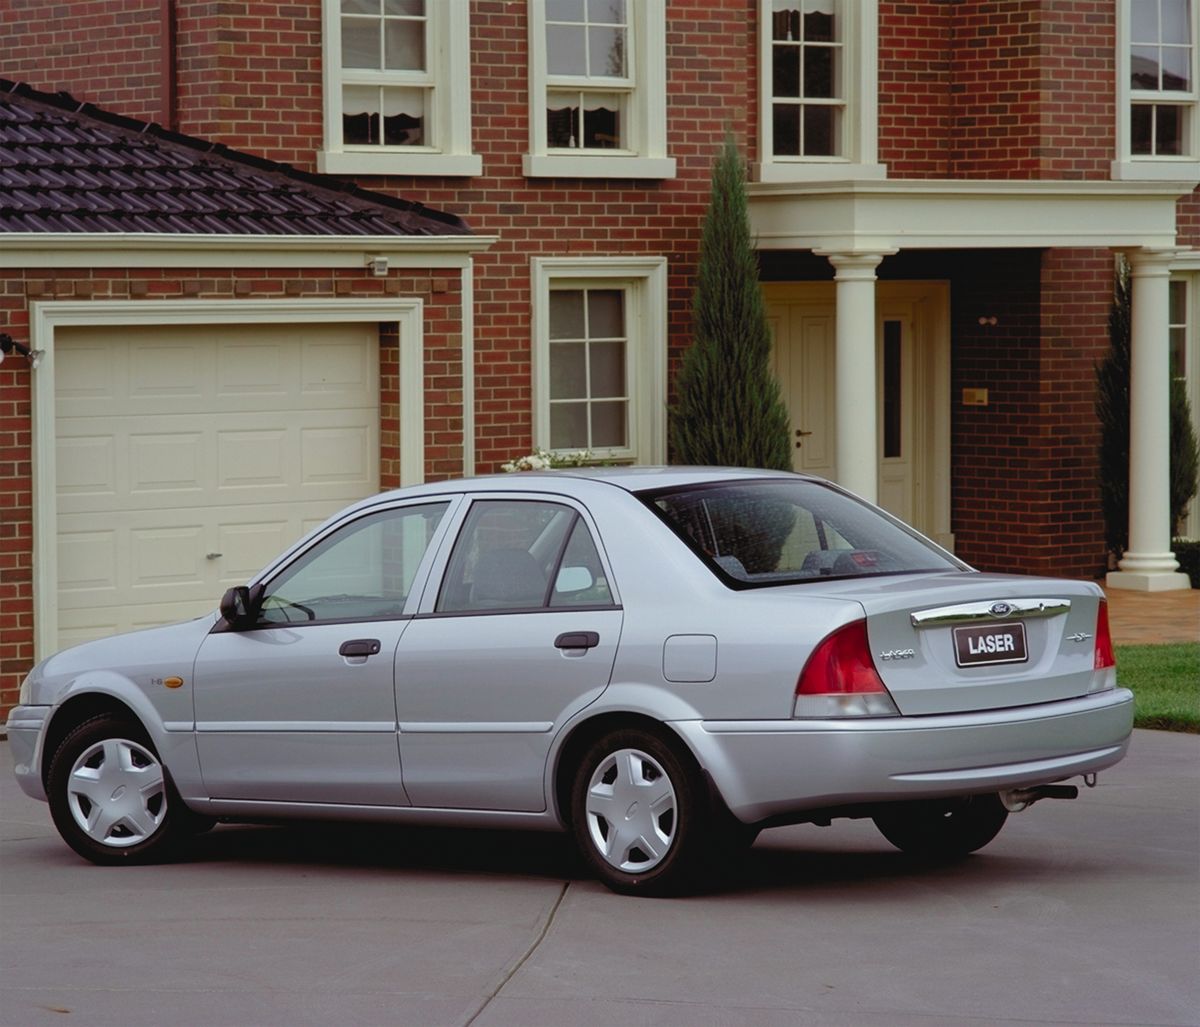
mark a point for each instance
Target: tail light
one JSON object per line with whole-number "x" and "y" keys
{"x": 1104, "y": 674}
{"x": 840, "y": 680}
{"x": 1105, "y": 657}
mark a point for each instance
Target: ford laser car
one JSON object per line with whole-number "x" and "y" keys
{"x": 660, "y": 661}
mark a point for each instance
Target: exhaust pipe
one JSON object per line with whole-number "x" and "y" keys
{"x": 1017, "y": 799}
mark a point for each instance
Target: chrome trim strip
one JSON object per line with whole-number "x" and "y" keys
{"x": 490, "y": 727}
{"x": 971, "y": 613}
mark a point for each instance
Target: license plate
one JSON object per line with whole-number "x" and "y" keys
{"x": 983, "y": 644}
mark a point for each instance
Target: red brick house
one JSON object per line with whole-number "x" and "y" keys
{"x": 938, "y": 190}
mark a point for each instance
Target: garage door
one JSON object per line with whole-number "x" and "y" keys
{"x": 188, "y": 457}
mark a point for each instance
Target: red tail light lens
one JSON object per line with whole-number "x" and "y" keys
{"x": 840, "y": 679}
{"x": 1105, "y": 657}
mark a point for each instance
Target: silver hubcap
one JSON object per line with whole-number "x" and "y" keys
{"x": 116, "y": 793}
{"x": 631, "y": 811}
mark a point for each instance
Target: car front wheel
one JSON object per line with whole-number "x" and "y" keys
{"x": 109, "y": 794}
{"x": 638, "y": 814}
{"x": 943, "y": 829}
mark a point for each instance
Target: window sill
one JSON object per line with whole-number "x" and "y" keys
{"x": 398, "y": 162}
{"x": 543, "y": 166}
{"x": 1156, "y": 170}
{"x": 817, "y": 171}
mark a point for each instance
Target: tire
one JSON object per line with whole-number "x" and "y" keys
{"x": 110, "y": 796}
{"x": 945, "y": 829}
{"x": 640, "y": 814}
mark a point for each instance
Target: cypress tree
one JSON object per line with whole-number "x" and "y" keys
{"x": 728, "y": 408}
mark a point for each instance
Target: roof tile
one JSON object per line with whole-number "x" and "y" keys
{"x": 71, "y": 167}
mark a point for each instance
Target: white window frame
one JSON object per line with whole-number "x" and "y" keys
{"x": 645, "y": 282}
{"x": 448, "y": 120}
{"x": 645, "y": 113}
{"x": 860, "y": 81}
{"x": 1148, "y": 167}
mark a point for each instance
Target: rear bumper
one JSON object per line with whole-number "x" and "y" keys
{"x": 777, "y": 768}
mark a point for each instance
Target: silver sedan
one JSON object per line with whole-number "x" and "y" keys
{"x": 660, "y": 661}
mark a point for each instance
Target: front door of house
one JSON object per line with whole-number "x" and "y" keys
{"x": 910, "y": 390}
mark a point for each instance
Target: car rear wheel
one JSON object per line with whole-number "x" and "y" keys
{"x": 110, "y": 796}
{"x": 943, "y": 829}
{"x": 639, "y": 814}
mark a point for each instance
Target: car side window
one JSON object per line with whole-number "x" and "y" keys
{"x": 523, "y": 555}
{"x": 363, "y": 571}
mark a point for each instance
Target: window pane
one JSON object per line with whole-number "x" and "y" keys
{"x": 562, "y": 121}
{"x": 1143, "y": 67}
{"x": 568, "y": 370}
{"x": 606, "y": 313}
{"x": 606, "y": 51}
{"x": 1168, "y": 131}
{"x": 568, "y": 426}
{"x": 819, "y": 24}
{"x": 785, "y": 121}
{"x": 1178, "y": 303}
{"x": 1176, "y": 70}
{"x": 360, "y": 43}
{"x": 785, "y": 71}
{"x": 505, "y": 555}
{"x": 607, "y": 365}
{"x": 1176, "y": 21}
{"x": 564, "y": 10}
{"x": 1143, "y": 21}
{"x": 611, "y": 12}
{"x": 785, "y": 20}
{"x": 819, "y": 71}
{"x": 566, "y": 314}
{"x": 363, "y": 571}
{"x": 360, "y": 7}
{"x": 820, "y": 131}
{"x": 608, "y": 424}
{"x": 602, "y": 122}
{"x": 360, "y": 115}
{"x": 1140, "y": 128}
{"x": 404, "y": 43}
{"x": 565, "y": 49}
{"x": 411, "y": 8}
{"x": 892, "y": 389}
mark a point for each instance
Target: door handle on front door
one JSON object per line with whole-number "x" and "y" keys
{"x": 360, "y": 647}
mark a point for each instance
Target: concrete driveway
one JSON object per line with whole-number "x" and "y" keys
{"x": 1079, "y": 913}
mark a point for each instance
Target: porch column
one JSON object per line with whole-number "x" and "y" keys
{"x": 1148, "y": 564}
{"x": 857, "y": 447}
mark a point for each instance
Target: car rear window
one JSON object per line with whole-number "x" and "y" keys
{"x": 757, "y": 533}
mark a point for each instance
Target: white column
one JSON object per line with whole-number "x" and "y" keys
{"x": 1148, "y": 564}
{"x": 857, "y": 446}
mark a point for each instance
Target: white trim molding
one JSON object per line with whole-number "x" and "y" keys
{"x": 645, "y": 279}
{"x": 961, "y": 214}
{"x": 446, "y": 82}
{"x": 162, "y": 250}
{"x": 47, "y": 318}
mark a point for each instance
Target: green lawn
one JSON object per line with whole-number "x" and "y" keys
{"x": 1165, "y": 680}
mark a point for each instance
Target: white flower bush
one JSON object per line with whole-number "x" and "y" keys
{"x": 543, "y": 460}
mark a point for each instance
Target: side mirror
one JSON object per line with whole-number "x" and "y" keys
{"x": 573, "y": 579}
{"x": 238, "y": 608}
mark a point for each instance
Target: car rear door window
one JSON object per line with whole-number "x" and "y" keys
{"x": 523, "y": 555}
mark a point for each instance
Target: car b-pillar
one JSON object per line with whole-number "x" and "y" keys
{"x": 856, "y": 444}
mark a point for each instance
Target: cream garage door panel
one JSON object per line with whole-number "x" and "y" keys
{"x": 187, "y": 458}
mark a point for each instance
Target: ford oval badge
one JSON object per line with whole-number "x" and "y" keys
{"x": 1001, "y": 609}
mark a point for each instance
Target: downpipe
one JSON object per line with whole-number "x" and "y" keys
{"x": 1017, "y": 799}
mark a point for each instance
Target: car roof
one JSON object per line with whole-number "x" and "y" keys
{"x": 579, "y": 481}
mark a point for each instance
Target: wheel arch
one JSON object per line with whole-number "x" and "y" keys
{"x": 582, "y": 735}
{"x": 75, "y": 711}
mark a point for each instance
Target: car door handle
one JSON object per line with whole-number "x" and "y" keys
{"x": 360, "y": 647}
{"x": 577, "y": 640}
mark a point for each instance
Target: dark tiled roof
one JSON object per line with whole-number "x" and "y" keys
{"x": 66, "y": 166}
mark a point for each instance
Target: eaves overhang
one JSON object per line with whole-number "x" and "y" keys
{"x": 146, "y": 249}
{"x": 883, "y": 216}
